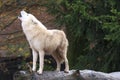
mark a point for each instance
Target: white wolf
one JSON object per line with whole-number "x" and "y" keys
{"x": 43, "y": 41}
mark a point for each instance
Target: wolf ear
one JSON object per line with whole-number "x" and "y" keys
{"x": 34, "y": 22}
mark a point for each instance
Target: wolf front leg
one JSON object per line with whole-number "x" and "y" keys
{"x": 41, "y": 62}
{"x": 35, "y": 56}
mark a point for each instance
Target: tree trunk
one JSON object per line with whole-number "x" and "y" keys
{"x": 72, "y": 75}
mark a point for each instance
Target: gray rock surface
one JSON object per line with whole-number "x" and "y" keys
{"x": 115, "y": 75}
{"x": 94, "y": 75}
{"x": 72, "y": 75}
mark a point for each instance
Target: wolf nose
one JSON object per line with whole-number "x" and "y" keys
{"x": 23, "y": 12}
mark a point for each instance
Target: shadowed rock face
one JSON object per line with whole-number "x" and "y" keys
{"x": 72, "y": 75}
{"x": 8, "y": 66}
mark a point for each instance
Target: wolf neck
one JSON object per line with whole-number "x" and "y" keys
{"x": 30, "y": 25}
{"x": 36, "y": 21}
{"x": 33, "y": 30}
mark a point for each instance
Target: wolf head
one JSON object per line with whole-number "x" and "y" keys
{"x": 26, "y": 17}
{"x": 28, "y": 20}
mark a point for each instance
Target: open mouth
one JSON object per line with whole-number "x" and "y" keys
{"x": 22, "y": 14}
{"x": 19, "y": 16}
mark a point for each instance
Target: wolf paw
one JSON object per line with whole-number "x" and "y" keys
{"x": 66, "y": 71}
{"x": 33, "y": 69}
{"x": 39, "y": 72}
{"x": 57, "y": 70}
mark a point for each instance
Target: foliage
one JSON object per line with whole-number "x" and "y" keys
{"x": 93, "y": 30}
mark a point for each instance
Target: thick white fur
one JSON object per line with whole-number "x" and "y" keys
{"x": 43, "y": 41}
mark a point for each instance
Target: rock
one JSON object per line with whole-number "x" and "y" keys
{"x": 94, "y": 75}
{"x": 72, "y": 75}
{"x": 115, "y": 75}
{"x": 47, "y": 75}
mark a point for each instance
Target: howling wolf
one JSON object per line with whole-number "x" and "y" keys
{"x": 43, "y": 41}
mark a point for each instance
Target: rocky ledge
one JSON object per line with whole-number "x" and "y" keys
{"x": 72, "y": 75}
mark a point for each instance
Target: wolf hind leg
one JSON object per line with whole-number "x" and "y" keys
{"x": 58, "y": 60}
{"x": 64, "y": 56}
